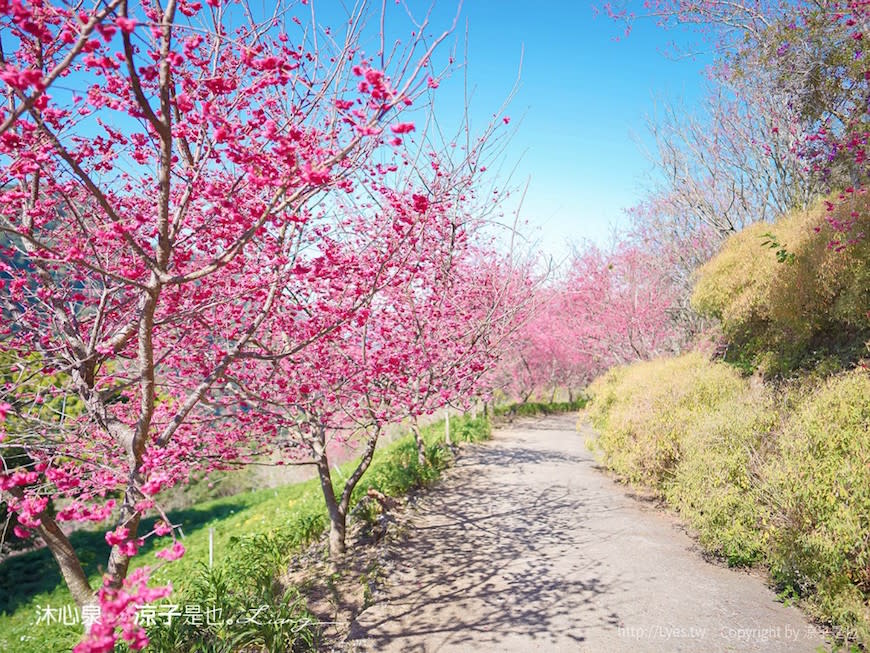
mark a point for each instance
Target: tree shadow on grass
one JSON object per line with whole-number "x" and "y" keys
{"x": 24, "y": 575}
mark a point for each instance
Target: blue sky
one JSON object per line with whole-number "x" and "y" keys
{"x": 580, "y": 108}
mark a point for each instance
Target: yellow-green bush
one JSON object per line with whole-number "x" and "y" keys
{"x": 785, "y": 297}
{"x": 689, "y": 429}
{"x": 776, "y": 475}
{"x": 647, "y": 411}
{"x": 818, "y": 488}
{"x": 715, "y": 486}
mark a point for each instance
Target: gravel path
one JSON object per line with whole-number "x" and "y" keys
{"x": 527, "y": 545}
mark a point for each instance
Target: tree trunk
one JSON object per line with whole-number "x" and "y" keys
{"x": 337, "y": 532}
{"x": 421, "y": 446}
{"x": 570, "y": 395}
{"x": 130, "y": 517}
{"x": 64, "y": 553}
{"x": 130, "y": 514}
{"x": 553, "y": 395}
{"x": 337, "y": 519}
{"x": 339, "y": 508}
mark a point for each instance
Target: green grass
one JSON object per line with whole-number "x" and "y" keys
{"x": 533, "y": 408}
{"x": 255, "y": 533}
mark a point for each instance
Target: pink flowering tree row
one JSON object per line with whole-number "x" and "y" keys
{"x": 431, "y": 325}
{"x": 218, "y": 236}
{"x": 609, "y": 306}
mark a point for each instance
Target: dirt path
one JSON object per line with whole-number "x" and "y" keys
{"x": 528, "y": 546}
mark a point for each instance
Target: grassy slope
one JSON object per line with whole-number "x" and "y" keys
{"x": 774, "y": 469}
{"x": 295, "y": 511}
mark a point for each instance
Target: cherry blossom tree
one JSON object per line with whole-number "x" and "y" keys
{"x": 432, "y": 320}
{"x": 545, "y": 353}
{"x": 627, "y": 303}
{"x": 169, "y": 174}
{"x": 464, "y": 335}
{"x": 338, "y": 391}
{"x": 608, "y": 307}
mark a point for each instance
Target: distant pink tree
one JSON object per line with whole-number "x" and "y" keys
{"x": 548, "y": 354}
{"x": 624, "y": 303}
{"x": 609, "y": 307}
{"x": 466, "y": 331}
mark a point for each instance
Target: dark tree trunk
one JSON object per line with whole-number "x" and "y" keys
{"x": 421, "y": 446}
{"x": 338, "y": 506}
{"x": 130, "y": 518}
{"x": 65, "y": 555}
{"x": 337, "y": 518}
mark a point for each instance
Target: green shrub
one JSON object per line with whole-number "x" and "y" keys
{"x": 236, "y": 610}
{"x": 792, "y": 310}
{"x": 689, "y": 429}
{"x": 715, "y": 486}
{"x": 534, "y": 408}
{"x": 647, "y": 411}
{"x": 468, "y": 429}
{"x": 818, "y": 485}
{"x": 776, "y": 475}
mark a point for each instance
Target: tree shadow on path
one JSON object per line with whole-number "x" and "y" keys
{"x": 496, "y": 554}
